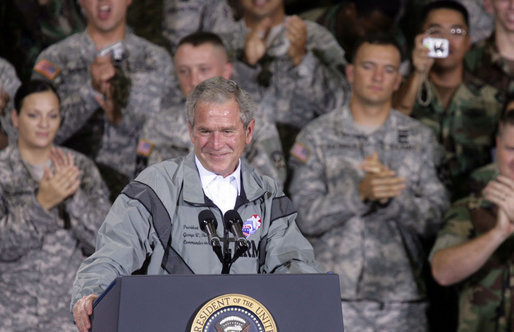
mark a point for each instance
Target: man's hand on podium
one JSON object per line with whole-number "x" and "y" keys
{"x": 82, "y": 310}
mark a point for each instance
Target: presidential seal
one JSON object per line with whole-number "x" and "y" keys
{"x": 233, "y": 313}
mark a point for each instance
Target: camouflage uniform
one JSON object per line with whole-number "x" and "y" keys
{"x": 375, "y": 248}
{"x": 485, "y": 62}
{"x": 302, "y": 92}
{"x": 9, "y": 83}
{"x": 169, "y": 135}
{"x": 485, "y": 298}
{"x": 40, "y": 251}
{"x": 481, "y": 23}
{"x": 328, "y": 18}
{"x": 36, "y": 27}
{"x": 465, "y": 129}
{"x": 84, "y": 127}
{"x": 183, "y": 17}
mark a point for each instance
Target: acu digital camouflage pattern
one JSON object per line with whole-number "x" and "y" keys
{"x": 84, "y": 127}
{"x": 375, "y": 248}
{"x": 485, "y": 298}
{"x": 368, "y": 316}
{"x": 183, "y": 17}
{"x": 485, "y": 62}
{"x": 481, "y": 23}
{"x": 40, "y": 251}
{"x": 9, "y": 83}
{"x": 302, "y": 92}
{"x": 169, "y": 135}
{"x": 466, "y": 129}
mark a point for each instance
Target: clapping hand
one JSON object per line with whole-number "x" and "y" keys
{"x": 380, "y": 183}
{"x": 62, "y": 182}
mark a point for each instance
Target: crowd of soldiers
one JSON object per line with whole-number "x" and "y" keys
{"x": 382, "y": 147}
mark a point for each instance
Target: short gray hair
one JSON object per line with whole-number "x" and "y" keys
{"x": 219, "y": 90}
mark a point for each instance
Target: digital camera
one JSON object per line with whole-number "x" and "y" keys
{"x": 439, "y": 47}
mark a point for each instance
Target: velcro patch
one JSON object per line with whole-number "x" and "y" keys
{"x": 300, "y": 152}
{"x": 47, "y": 69}
{"x": 144, "y": 147}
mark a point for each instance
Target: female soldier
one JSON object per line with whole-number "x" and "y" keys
{"x": 52, "y": 201}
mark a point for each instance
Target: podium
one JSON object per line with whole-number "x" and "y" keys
{"x": 183, "y": 303}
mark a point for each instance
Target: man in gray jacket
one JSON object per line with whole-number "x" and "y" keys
{"x": 174, "y": 192}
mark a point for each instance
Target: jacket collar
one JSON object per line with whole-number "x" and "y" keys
{"x": 251, "y": 184}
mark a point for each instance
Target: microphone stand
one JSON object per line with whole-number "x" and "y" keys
{"x": 227, "y": 263}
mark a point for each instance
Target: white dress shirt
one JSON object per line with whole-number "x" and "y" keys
{"x": 223, "y": 191}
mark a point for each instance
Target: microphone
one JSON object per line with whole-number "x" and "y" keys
{"x": 208, "y": 224}
{"x": 234, "y": 223}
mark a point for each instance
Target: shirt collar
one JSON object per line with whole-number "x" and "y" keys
{"x": 206, "y": 176}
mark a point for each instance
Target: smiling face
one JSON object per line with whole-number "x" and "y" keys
{"x": 38, "y": 120}
{"x": 374, "y": 74}
{"x": 504, "y": 13}
{"x": 195, "y": 64}
{"x": 105, "y": 16}
{"x": 218, "y": 136}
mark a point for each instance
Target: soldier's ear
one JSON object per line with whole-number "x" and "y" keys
{"x": 488, "y": 6}
{"x": 227, "y": 70}
{"x": 398, "y": 82}
{"x": 349, "y": 72}
{"x": 14, "y": 118}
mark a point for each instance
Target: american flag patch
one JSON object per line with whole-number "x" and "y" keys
{"x": 144, "y": 147}
{"x": 300, "y": 152}
{"x": 47, "y": 69}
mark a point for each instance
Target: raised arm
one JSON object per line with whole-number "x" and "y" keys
{"x": 405, "y": 98}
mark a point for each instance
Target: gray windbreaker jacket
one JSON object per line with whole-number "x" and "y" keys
{"x": 160, "y": 197}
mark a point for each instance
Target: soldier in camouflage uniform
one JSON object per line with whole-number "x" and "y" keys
{"x": 9, "y": 83}
{"x": 474, "y": 249}
{"x": 367, "y": 192}
{"x": 461, "y": 109}
{"x": 201, "y": 56}
{"x": 182, "y": 18}
{"x": 53, "y": 201}
{"x": 107, "y": 94}
{"x": 481, "y": 22}
{"x": 491, "y": 58}
{"x": 35, "y": 25}
{"x": 351, "y": 20}
{"x": 297, "y": 62}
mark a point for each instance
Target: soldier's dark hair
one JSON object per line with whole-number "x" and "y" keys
{"x": 377, "y": 38}
{"x": 444, "y": 4}
{"x": 200, "y": 38}
{"x": 218, "y": 90}
{"x": 30, "y": 87}
{"x": 507, "y": 113}
{"x": 389, "y": 8}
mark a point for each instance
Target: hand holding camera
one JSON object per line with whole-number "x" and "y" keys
{"x": 421, "y": 61}
{"x": 438, "y": 47}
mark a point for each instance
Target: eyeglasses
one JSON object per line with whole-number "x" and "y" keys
{"x": 440, "y": 33}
